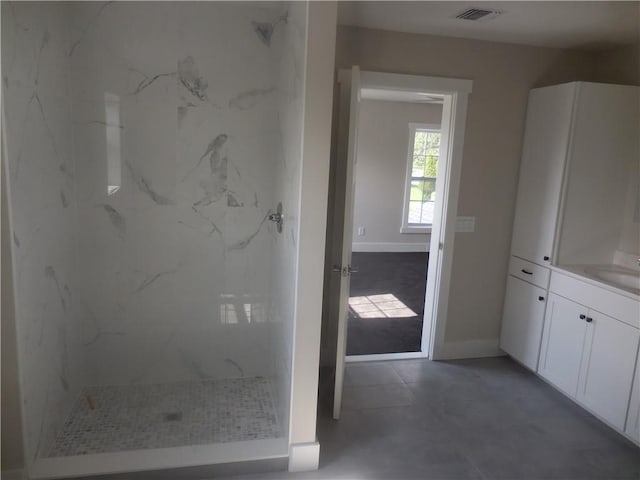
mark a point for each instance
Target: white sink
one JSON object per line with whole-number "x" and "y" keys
{"x": 617, "y": 276}
{"x": 620, "y": 278}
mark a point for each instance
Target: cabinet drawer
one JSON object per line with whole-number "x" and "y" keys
{"x": 529, "y": 272}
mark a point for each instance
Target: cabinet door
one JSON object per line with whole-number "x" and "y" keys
{"x": 541, "y": 172}
{"x": 608, "y": 364}
{"x": 562, "y": 343}
{"x": 633, "y": 417}
{"x": 522, "y": 321}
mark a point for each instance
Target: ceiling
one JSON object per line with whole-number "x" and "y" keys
{"x": 590, "y": 25}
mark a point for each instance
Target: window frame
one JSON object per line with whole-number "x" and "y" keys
{"x": 405, "y": 226}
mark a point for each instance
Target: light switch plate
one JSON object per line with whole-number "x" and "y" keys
{"x": 465, "y": 224}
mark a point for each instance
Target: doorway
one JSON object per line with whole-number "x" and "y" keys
{"x": 398, "y": 148}
{"x": 454, "y": 93}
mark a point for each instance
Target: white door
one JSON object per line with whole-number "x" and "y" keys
{"x": 347, "y": 145}
{"x": 562, "y": 343}
{"x": 608, "y": 363}
{"x": 522, "y": 321}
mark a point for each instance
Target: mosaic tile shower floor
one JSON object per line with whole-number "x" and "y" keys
{"x": 168, "y": 415}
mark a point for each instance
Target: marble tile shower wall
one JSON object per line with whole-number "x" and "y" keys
{"x": 291, "y": 111}
{"x": 40, "y": 180}
{"x": 183, "y": 121}
{"x": 176, "y": 247}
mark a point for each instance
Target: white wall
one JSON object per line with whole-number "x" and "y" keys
{"x": 383, "y": 140}
{"x": 622, "y": 65}
{"x": 314, "y": 178}
{"x": 630, "y": 235}
{"x": 619, "y": 65}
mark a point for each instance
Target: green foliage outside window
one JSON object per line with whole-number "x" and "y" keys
{"x": 426, "y": 149}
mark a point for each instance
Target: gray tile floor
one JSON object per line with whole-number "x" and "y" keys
{"x": 473, "y": 419}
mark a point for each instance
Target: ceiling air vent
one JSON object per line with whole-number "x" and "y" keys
{"x": 478, "y": 14}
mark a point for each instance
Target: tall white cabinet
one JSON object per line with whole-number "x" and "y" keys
{"x": 580, "y": 336}
{"x": 579, "y": 139}
{"x": 546, "y": 142}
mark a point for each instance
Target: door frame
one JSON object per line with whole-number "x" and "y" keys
{"x": 454, "y": 112}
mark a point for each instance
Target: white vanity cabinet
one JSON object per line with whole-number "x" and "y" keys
{"x": 523, "y": 313}
{"x": 562, "y": 343}
{"x": 590, "y": 356}
{"x": 632, "y": 428}
{"x": 606, "y": 375}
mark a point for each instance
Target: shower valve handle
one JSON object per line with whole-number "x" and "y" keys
{"x": 275, "y": 217}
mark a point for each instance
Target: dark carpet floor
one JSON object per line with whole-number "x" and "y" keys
{"x": 380, "y": 324}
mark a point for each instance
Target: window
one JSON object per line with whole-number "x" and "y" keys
{"x": 112, "y": 129}
{"x": 422, "y": 168}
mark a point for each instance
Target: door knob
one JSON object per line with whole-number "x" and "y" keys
{"x": 346, "y": 271}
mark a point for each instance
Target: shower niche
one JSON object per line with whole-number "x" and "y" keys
{"x": 145, "y": 144}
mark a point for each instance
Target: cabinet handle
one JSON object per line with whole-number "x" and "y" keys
{"x": 545, "y": 258}
{"x": 582, "y": 316}
{"x": 589, "y": 320}
{"x": 526, "y": 271}
{"x": 541, "y": 299}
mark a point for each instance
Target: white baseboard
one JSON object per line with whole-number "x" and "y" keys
{"x": 304, "y": 457}
{"x": 12, "y": 475}
{"x": 389, "y": 247}
{"x": 378, "y": 357}
{"x": 468, "y": 349}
